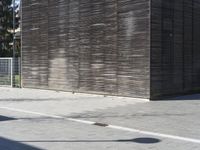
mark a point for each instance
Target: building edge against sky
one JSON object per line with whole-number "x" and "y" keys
{"x": 134, "y": 48}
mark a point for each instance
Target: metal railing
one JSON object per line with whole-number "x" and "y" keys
{"x": 6, "y": 72}
{"x": 10, "y": 72}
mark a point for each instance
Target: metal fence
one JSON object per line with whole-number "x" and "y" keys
{"x": 6, "y": 72}
{"x": 10, "y": 72}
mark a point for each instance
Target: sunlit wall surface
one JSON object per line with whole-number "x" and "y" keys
{"x": 92, "y": 46}
{"x": 136, "y": 48}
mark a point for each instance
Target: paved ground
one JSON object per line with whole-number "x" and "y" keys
{"x": 47, "y": 120}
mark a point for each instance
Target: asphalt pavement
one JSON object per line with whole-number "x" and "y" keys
{"x": 48, "y": 120}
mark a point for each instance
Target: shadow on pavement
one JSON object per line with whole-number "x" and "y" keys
{"x": 6, "y": 144}
{"x": 188, "y": 97}
{"x": 193, "y": 97}
{"x": 4, "y": 118}
{"x": 136, "y": 140}
{"x": 29, "y": 99}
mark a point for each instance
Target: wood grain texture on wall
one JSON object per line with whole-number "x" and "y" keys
{"x": 92, "y": 46}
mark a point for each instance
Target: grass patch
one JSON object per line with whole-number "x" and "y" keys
{"x": 5, "y": 80}
{"x": 17, "y": 81}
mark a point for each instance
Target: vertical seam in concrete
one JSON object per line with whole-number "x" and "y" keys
{"x": 150, "y": 47}
{"x": 183, "y": 45}
{"x": 21, "y": 75}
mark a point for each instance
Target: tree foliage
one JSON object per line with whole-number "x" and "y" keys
{"x": 6, "y": 27}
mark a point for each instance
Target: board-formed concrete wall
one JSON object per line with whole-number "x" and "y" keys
{"x": 92, "y": 46}
{"x": 136, "y": 48}
{"x": 175, "y": 47}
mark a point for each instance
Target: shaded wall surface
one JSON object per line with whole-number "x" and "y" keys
{"x": 175, "y": 47}
{"x": 92, "y": 46}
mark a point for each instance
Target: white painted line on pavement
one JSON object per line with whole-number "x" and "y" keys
{"x": 31, "y": 112}
{"x": 80, "y": 121}
{"x": 109, "y": 126}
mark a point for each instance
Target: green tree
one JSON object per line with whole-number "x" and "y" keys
{"x": 6, "y": 27}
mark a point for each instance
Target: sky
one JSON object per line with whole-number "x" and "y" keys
{"x": 17, "y": 1}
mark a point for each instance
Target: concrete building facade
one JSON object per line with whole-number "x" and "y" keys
{"x": 135, "y": 48}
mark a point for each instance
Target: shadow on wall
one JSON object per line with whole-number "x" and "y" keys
{"x": 6, "y": 144}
